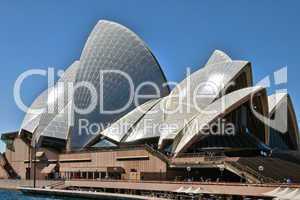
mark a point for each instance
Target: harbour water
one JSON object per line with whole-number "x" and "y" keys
{"x": 16, "y": 195}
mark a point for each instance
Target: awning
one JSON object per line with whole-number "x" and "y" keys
{"x": 75, "y": 160}
{"x": 40, "y": 154}
{"x": 49, "y": 169}
{"x": 120, "y": 158}
{"x": 82, "y": 169}
{"x": 115, "y": 170}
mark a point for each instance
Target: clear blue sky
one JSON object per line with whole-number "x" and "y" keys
{"x": 51, "y": 33}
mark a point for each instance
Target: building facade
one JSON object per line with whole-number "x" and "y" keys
{"x": 184, "y": 144}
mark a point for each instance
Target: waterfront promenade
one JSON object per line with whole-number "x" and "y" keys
{"x": 93, "y": 188}
{"x": 87, "y": 194}
{"x": 166, "y": 186}
{"x": 15, "y": 184}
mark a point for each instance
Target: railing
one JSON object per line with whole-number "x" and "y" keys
{"x": 55, "y": 185}
{"x": 198, "y": 158}
{"x": 202, "y": 154}
{"x": 158, "y": 153}
{"x": 271, "y": 184}
{"x": 207, "y": 157}
{"x": 252, "y": 172}
{"x": 214, "y": 158}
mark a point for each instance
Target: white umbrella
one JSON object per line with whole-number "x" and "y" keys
{"x": 181, "y": 189}
{"x": 283, "y": 192}
{"x": 199, "y": 191}
{"x": 290, "y": 195}
{"x": 297, "y": 196}
{"x": 189, "y": 190}
{"x": 274, "y": 192}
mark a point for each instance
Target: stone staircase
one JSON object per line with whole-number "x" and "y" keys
{"x": 7, "y": 167}
{"x": 58, "y": 185}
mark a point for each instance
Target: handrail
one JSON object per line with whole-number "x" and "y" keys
{"x": 7, "y": 167}
{"x": 158, "y": 153}
{"x": 56, "y": 184}
{"x": 191, "y": 182}
{"x": 253, "y": 172}
{"x": 202, "y": 154}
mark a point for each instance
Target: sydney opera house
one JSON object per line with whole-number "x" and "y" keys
{"x": 152, "y": 139}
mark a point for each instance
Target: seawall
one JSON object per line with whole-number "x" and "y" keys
{"x": 15, "y": 184}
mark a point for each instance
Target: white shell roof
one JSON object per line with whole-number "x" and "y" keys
{"x": 206, "y": 85}
{"x": 120, "y": 128}
{"x": 52, "y": 122}
{"x": 158, "y": 122}
{"x": 31, "y": 120}
{"x": 280, "y": 103}
{"x": 111, "y": 46}
{"x": 218, "y": 57}
{"x": 59, "y": 126}
{"x": 220, "y": 107}
{"x": 149, "y": 125}
{"x": 275, "y": 99}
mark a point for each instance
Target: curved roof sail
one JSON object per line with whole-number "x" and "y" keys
{"x": 114, "y": 59}
{"x": 201, "y": 88}
{"x": 283, "y": 119}
{"x": 57, "y": 103}
{"x": 149, "y": 125}
{"x": 31, "y": 120}
{"x": 122, "y": 127}
{"x": 217, "y": 109}
{"x": 218, "y": 57}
